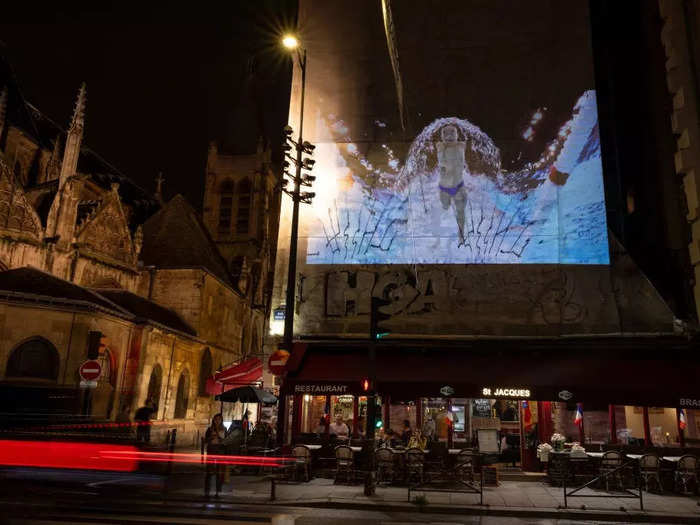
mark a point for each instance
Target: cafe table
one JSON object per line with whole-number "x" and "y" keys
{"x": 313, "y": 447}
{"x": 634, "y": 456}
{"x": 672, "y": 459}
{"x": 595, "y": 454}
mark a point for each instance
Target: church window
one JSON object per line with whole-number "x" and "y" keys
{"x": 244, "y": 197}
{"x": 204, "y": 372}
{"x": 36, "y": 358}
{"x": 182, "y": 396}
{"x": 154, "y": 386}
{"x": 225, "y": 206}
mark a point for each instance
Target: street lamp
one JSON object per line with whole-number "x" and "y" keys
{"x": 302, "y": 147}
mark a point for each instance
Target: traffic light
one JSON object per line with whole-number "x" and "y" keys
{"x": 97, "y": 343}
{"x": 376, "y": 317}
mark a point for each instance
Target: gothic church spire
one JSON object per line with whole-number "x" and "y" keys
{"x": 71, "y": 153}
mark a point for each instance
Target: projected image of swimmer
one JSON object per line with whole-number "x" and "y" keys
{"x": 450, "y": 153}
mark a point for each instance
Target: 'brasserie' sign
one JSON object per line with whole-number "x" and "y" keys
{"x": 321, "y": 389}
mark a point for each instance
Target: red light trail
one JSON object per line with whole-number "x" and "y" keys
{"x": 103, "y": 456}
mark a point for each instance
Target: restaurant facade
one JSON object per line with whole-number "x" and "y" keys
{"x": 479, "y": 216}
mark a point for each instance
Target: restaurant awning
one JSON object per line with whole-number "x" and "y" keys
{"x": 645, "y": 372}
{"x": 240, "y": 374}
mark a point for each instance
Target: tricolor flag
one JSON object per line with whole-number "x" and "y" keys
{"x": 579, "y": 416}
{"x": 527, "y": 416}
{"x": 682, "y": 423}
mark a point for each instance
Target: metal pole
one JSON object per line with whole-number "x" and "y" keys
{"x": 292, "y": 269}
{"x": 370, "y": 481}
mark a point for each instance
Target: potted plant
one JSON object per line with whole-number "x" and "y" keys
{"x": 558, "y": 442}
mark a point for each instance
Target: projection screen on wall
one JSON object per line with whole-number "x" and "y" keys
{"x": 454, "y": 132}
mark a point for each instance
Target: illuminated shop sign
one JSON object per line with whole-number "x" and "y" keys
{"x": 519, "y": 393}
{"x": 684, "y": 402}
{"x": 321, "y": 389}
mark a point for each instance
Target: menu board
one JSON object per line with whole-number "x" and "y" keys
{"x": 488, "y": 440}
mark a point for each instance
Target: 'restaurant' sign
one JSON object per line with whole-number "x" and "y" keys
{"x": 321, "y": 389}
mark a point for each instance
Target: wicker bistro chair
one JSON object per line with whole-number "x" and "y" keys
{"x": 302, "y": 460}
{"x": 385, "y": 465}
{"x": 344, "y": 463}
{"x": 650, "y": 468}
{"x": 611, "y": 460}
{"x": 686, "y": 471}
{"x": 415, "y": 458}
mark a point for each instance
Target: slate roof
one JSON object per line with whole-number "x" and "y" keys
{"x": 144, "y": 309}
{"x": 32, "y": 284}
{"x": 176, "y": 238}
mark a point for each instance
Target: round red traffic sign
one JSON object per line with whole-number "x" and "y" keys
{"x": 278, "y": 362}
{"x": 90, "y": 370}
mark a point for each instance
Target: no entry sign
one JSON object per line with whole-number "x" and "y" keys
{"x": 277, "y": 362}
{"x": 90, "y": 370}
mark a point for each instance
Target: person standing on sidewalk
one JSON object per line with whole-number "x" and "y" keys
{"x": 214, "y": 440}
{"x": 143, "y": 421}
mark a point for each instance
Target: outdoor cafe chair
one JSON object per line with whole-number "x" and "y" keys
{"x": 609, "y": 465}
{"x": 344, "y": 462}
{"x": 302, "y": 460}
{"x": 650, "y": 468}
{"x": 385, "y": 465}
{"x": 686, "y": 471}
{"x": 415, "y": 458}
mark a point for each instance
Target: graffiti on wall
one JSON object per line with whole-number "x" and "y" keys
{"x": 549, "y": 296}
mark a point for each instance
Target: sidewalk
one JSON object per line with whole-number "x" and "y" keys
{"x": 510, "y": 498}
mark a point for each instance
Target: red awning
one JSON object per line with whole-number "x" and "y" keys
{"x": 241, "y": 374}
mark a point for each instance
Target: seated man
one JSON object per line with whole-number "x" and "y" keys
{"x": 339, "y": 428}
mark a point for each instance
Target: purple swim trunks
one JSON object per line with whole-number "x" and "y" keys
{"x": 452, "y": 191}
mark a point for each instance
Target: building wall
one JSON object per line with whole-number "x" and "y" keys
{"x": 679, "y": 36}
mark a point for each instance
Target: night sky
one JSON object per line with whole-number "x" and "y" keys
{"x": 163, "y": 79}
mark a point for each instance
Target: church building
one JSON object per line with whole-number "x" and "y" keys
{"x": 84, "y": 251}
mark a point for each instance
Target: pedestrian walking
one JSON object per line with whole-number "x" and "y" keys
{"x": 214, "y": 440}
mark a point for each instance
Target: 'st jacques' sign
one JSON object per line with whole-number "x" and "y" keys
{"x": 519, "y": 393}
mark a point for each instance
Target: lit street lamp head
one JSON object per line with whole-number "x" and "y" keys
{"x": 290, "y": 42}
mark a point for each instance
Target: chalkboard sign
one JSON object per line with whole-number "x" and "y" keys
{"x": 482, "y": 408}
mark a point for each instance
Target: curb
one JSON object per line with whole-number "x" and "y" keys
{"x": 632, "y": 516}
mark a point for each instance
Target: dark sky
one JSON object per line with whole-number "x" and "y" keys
{"x": 163, "y": 79}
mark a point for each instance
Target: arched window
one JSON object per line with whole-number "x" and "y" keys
{"x": 182, "y": 397}
{"x": 243, "y": 217}
{"x": 154, "y": 386}
{"x": 36, "y": 358}
{"x": 225, "y": 206}
{"x": 106, "y": 361}
{"x": 204, "y": 372}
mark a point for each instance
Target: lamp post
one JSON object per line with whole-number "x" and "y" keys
{"x": 299, "y": 179}
{"x": 291, "y": 43}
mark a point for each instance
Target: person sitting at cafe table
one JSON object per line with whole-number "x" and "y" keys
{"x": 321, "y": 427}
{"x": 339, "y": 428}
{"x": 406, "y": 432}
